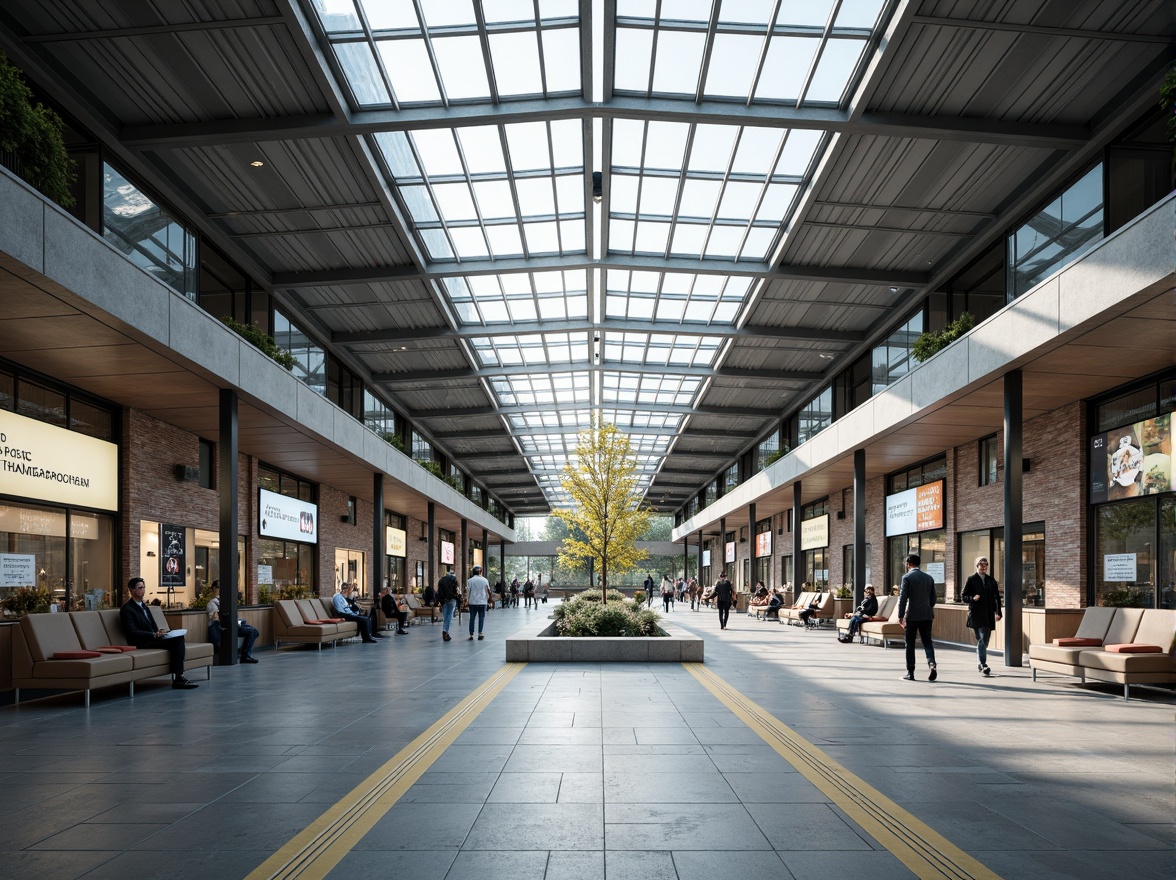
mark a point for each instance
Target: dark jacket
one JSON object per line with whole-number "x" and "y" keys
{"x": 389, "y": 605}
{"x": 724, "y": 592}
{"x": 982, "y": 613}
{"x": 868, "y": 608}
{"x": 447, "y": 589}
{"x": 916, "y": 596}
{"x": 138, "y": 629}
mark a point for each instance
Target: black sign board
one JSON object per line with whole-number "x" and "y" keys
{"x": 172, "y": 563}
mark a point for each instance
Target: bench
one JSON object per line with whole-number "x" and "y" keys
{"x": 71, "y": 636}
{"x": 883, "y": 631}
{"x": 291, "y": 626}
{"x": 1115, "y": 645}
{"x": 824, "y": 602}
{"x": 886, "y": 604}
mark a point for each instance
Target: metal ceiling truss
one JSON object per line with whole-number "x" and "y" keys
{"x": 443, "y": 376}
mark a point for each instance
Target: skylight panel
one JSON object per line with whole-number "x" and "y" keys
{"x": 573, "y": 236}
{"x": 561, "y": 59}
{"x": 757, "y": 150}
{"x": 527, "y": 142}
{"x": 651, "y": 238}
{"x": 505, "y": 240}
{"x": 468, "y": 242}
{"x": 536, "y": 197}
{"x": 362, "y": 73}
{"x": 436, "y": 244}
{"x": 398, "y": 154}
{"x": 409, "y": 71}
{"x": 437, "y": 151}
{"x": 724, "y": 241}
{"x": 699, "y": 198}
{"x": 798, "y": 152}
{"x": 732, "y": 66}
{"x": 628, "y": 136}
{"x": 834, "y": 70}
{"x": 620, "y": 235}
{"x": 634, "y": 49}
{"x": 755, "y": 12}
{"x": 420, "y": 206}
{"x": 522, "y": 310}
{"x": 494, "y": 199}
{"x": 463, "y": 72}
{"x": 622, "y": 193}
{"x": 686, "y": 10}
{"x": 337, "y": 16}
{"x": 449, "y": 13}
{"x": 785, "y": 67}
{"x": 516, "y": 63}
{"x": 504, "y": 11}
{"x": 567, "y": 143}
{"x": 712, "y": 147}
{"x": 858, "y": 13}
{"x": 812, "y": 13}
{"x": 740, "y": 200}
{"x": 454, "y": 201}
{"x": 679, "y": 59}
{"x": 671, "y": 308}
{"x": 636, "y": 8}
{"x": 542, "y": 238}
{"x": 759, "y": 241}
{"x": 665, "y": 145}
{"x": 658, "y": 195}
{"x": 569, "y": 193}
{"x": 482, "y": 148}
{"x": 689, "y": 239}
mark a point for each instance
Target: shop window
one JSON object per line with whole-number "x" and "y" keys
{"x": 847, "y": 562}
{"x": 146, "y": 234}
{"x": 75, "y": 573}
{"x": 730, "y": 478}
{"x": 815, "y": 416}
{"x": 85, "y": 418}
{"x": 920, "y": 475}
{"x": 40, "y": 403}
{"x": 1168, "y": 552}
{"x": 989, "y": 452}
{"x": 1058, "y": 234}
{"x": 816, "y": 569}
{"x": 290, "y": 567}
{"x": 1125, "y": 566}
{"x": 931, "y": 547}
{"x": 1135, "y": 406}
{"x": 207, "y": 464}
{"x": 7, "y": 391}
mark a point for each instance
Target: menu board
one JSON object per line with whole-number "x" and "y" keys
{"x": 1132, "y": 461}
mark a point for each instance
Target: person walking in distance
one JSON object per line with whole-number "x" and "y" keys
{"x": 916, "y": 613}
{"x": 479, "y": 596}
{"x": 724, "y": 598}
{"x": 447, "y": 590}
{"x": 982, "y": 593}
{"x": 648, "y": 590}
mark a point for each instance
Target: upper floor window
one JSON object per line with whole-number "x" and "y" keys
{"x": 919, "y": 475}
{"x": 815, "y": 417}
{"x": 310, "y": 361}
{"x": 892, "y": 359}
{"x": 730, "y": 478}
{"x": 1057, "y": 234}
{"x": 207, "y": 464}
{"x": 989, "y": 452}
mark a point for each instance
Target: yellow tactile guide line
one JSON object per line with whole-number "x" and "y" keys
{"x": 321, "y": 846}
{"x": 928, "y": 855}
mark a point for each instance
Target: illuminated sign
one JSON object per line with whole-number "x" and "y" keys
{"x": 42, "y": 461}
{"x": 814, "y": 533}
{"x": 286, "y": 518}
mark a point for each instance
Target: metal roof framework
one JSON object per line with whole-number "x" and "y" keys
{"x": 777, "y": 182}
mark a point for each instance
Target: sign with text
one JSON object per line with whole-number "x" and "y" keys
{"x": 265, "y": 574}
{"x": 171, "y": 560}
{"x": 447, "y": 553}
{"x": 729, "y": 554}
{"x": 814, "y": 533}
{"x": 1133, "y": 460}
{"x": 916, "y": 510}
{"x": 18, "y": 570}
{"x": 937, "y": 571}
{"x": 1119, "y": 567}
{"x": 286, "y": 518}
{"x": 763, "y": 544}
{"x": 395, "y": 542}
{"x": 705, "y": 558}
{"x": 47, "y": 463}
{"x": 48, "y": 523}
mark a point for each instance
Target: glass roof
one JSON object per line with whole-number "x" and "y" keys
{"x": 612, "y": 299}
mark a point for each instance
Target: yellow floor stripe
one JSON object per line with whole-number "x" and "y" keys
{"x": 928, "y": 854}
{"x": 313, "y": 853}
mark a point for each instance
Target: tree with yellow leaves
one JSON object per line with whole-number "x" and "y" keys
{"x": 607, "y": 518}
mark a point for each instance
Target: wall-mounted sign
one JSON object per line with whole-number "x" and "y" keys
{"x": 916, "y": 510}
{"x": 729, "y": 555}
{"x": 447, "y": 553}
{"x": 42, "y": 461}
{"x": 705, "y": 558}
{"x": 814, "y": 533}
{"x": 287, "y": 518}
{"x": 1119, "y": 567}
{"x": 937, "y": 571}
{"x": 171, "y": 558}
{"x": 395, "y": 542}
{"x": 763, "y": 544}
{"x": 1131, "y": 461}
{"x": 48, "y": 523}
{"x": 18, "y": 570}
{"x": 265, "y": 574}
{"x": 477, "y": 556}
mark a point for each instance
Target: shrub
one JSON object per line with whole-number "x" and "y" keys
{"x": 31, "y": 138}
{"x": 27, "y": 600}
{"x": 931, "y": 342}
{"x": 393, "y": 440}
{"x": 586, "y": 615}
{"x": 253, "y": 334}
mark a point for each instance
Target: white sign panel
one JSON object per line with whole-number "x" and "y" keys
{"x": 900, "y": 513}
{"x": 286, "y": 518}
{"x": 814, "y": 533}
{"x": 1119, "y": 567}
{"x": 705, "y": 558}
{"x": 395, "y": 542}
{"x": 18, "y": 570}
{"x": 42, "y": 461}
{"x": 265, "y": 574}
{"x": 935, "y": 569}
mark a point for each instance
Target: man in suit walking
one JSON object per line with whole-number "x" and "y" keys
{"x": 916, "y": 612}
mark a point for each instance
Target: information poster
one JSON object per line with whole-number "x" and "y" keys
{"x": 915, "y": 510}
{"x": 763, "y": 544}
{"x": 729, "y": 555}
{"x": 1131, "y": 461}
{"x": 1119, "y": 567}
{"x": 18, "y": 570}
{"x": 706, "y": 558}
{"x": 172, "y": 559}
{"x": 447, "y": 553}
{"x": 288, "y": 519}
{"x": 936, "y": 570}
{"x": 265, "y": 574}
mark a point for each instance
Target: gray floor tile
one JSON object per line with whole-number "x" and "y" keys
{"x": 746, "y": 865}
{"x": 526, "y": 788}
{"x": 663, "y": 826}
{"x": 34, "y": 865}
{"x": 581, "y": 788}
{"x": 806, "y": 827}
{"x": 647, "y": 865}
{"x": 93, "y": 837}
{"x": 562, "y": 759}
{"x": 561, "y": 826}
{"x": 422, "y": 827}
{"x": 822, "y": 865}
{"x": 575, "y": 866}
{"x": 640, "y": 786}
{"x": 401, "y": 865}
{"x": 516, "y": 865}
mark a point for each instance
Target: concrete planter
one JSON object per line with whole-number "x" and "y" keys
{"x": 543, "y": 646}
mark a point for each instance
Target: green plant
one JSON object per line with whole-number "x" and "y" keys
{"x": 845, "y": 591}
{"x": 26, "y": 600}
{"x": 203, "y": 597}
{"x": 774, "y": 456}
{"x": 265, "y": 595}
{"x": 393, "y": 440}
{"x": 31, "y": 136}
{"x": 1123, "y": 597}
{"x": 433, "y": 467}
{"x": 638, "y": 597}
{"x": 930, "y": 342}
{"x": 254, "y": 335}
{"x": 1168, "y": 101}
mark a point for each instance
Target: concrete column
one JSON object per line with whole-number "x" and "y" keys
{"x": 1014, "y": 516}
{"x": 859, "y": 526}
{"x": 750, "y": 546}
{"x": 797, "y": 553}
{"x": 227, "y": 494}
{"x": 463, "y": 560}
{"x": 723, "y": 546}
{"x": 379, "y": 564}
{"x": 431, "y": 565}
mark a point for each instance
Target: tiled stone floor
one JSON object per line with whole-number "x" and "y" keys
{"x": 589, "y": 771}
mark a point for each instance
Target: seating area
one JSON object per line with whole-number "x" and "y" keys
{"x": 84, "y": 650}
{"x": 1117, "y": 645}
{"x": 824, "y": 612}
{"x": 887, "y": 616}
{"x": 309, "y": 622}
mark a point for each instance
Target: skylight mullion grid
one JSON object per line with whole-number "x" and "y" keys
{"x": 762, "y": 195}
{"x": 379, "y": 62}
{"x": 759, "y": 65}
{"x": 708, "y": 48}
{"x": 808, "y": 77}
{"x": 551, "y": 161}
{"x": 681, "y": 189}
{"x": 487, "y": 59}
{"x": 539, "y": 44}
{"x": 420, "y": 13}
{"x": 514, "y": 194}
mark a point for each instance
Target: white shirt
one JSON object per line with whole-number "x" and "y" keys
{"x": 479, "y": 590}
{"x": 214, "y": 608}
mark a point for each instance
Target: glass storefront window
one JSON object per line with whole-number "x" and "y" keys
{"x": 292, "y": 569}
{"x": 931, "y": 547}
{"x": 148, "y": 236}
{"x": 1168, "y": 552}
{"x": 1125, "y": 564}
{"x": 75, "y": 574}
{"x": 816, "y": 569}
{"x": 350, "y": 568}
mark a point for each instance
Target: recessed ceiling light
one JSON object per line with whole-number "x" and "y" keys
{"x": 894, "y": 290}
{"x": 825, "y": 357}
{"x": 256, "y": 163}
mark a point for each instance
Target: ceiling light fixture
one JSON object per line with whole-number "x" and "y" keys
{"x": 825, "y": 357}
{"x": 894, "y": 290}
{"x": 256, "y": 163}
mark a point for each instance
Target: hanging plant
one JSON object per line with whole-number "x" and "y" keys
{"x": 252, "y": 333}
{"x": 31, "y": 140}
{"x": 1168, "y": 101}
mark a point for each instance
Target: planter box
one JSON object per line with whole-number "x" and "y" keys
{"x": 543, "y": 646}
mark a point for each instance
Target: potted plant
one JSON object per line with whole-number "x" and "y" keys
{"x": 931, "y": 342}
{"x": 31, "y": 142}
{"x": 253, "y": 334}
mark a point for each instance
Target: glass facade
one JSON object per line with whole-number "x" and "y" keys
{"x": 1057, "y": 234}
{"x": 146, "y": 234}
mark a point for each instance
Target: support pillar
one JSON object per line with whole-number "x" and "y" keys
{"x": 227, "y": 495}
{"x": 1014, "y": 516}
{"x": 750, "y": 546}
{"x": 859, "y": 527}
{"x": 431, "y": 563}
{"x": 379, "y": 564}
{"x": 797, "y": 553}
